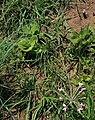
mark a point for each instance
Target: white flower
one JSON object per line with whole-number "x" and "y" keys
{"x": 80, "y": 84}
{"x": 83, "y": 89}
{"x": 79, "y": 109}
{"x": 83, "y": 97}
{"x": 82, "y": 104}
{"x": 60, "y": 89}
{"x": 64, "y": 107}
{"x": 60, "y": 98}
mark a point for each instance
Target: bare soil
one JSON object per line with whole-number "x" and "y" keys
{"x": 76, "y": 20}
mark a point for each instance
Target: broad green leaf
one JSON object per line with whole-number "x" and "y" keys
{"x": 33, "y": 39}
{"x": 85, "y": 32}
{"x": 24, "y": 44}
{"x": 75, "y": 38}
{"x": 87, "y": 77}
{"x": 76, "y": 81}
{"x": 27, "y": 44}
{"x": 35, "y": 28}
{"x": 26, "y": 29}
{"x": 92, "y": 50}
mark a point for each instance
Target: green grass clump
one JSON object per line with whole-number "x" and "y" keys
{"x": 45, "y": 72}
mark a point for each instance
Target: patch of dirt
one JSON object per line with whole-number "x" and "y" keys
{"x": 14, "y": 116}
{"x": 75, "y": 17}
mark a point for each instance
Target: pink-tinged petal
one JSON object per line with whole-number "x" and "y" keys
{"x": 79, "y": 110}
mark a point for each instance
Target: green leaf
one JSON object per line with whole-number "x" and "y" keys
{"x": 28, "y": 106}
{"x": 27, "y": 44}
{"x": 24, "y": 44}
{"x": 33, "y": 39}
{"x": 92, "y": 50}
{"x": 89, "y": 28}
{"x": 26, "y": 29}
{"x": 35, "y": 28}
{"x": 34, "y": 116}
{"x": 85, "y": 32}
{"x": 87, "y": 78}
{"x": 75, "y": 38}
{"x": 76, "y": 81}
{"x": 41, "y": 35}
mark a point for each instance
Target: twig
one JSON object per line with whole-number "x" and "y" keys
{"x": 78, "y": 10}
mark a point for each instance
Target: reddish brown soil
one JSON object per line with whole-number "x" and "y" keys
{"x": 76, "y": 20}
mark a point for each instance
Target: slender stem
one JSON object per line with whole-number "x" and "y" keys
{"x": 78, "y": 10}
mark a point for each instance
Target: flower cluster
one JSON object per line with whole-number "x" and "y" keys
{"x": 65, "y": 107}
{"x": 81, "y": 107}
{"x": 73, "y": 97}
